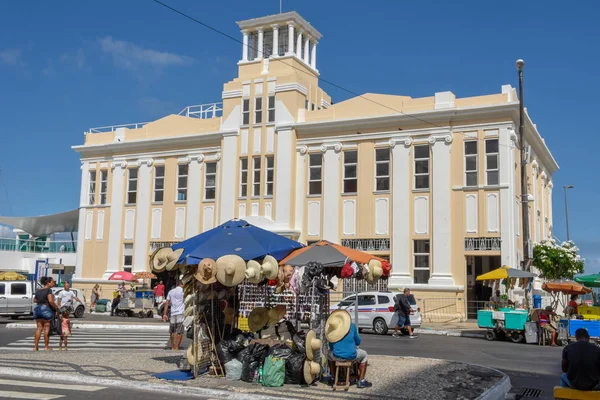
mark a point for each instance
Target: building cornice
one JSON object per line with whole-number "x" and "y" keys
{"x": 286, "y": 87}
{"x": 281, "y": 19}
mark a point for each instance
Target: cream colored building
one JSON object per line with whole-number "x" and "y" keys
{"x": 432, "y": 183}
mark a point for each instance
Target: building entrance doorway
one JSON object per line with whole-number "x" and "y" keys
{"x": 477, "y": 293}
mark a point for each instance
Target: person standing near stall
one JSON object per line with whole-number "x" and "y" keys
{"x": 159, "y": 292}
{"x": 175, "y": 300}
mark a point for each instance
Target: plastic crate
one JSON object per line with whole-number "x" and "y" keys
{"x": 515, "y": 320}
{"x": 484, "y": 319}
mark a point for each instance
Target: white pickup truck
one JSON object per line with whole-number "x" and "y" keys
{"x": 16, "y": 298}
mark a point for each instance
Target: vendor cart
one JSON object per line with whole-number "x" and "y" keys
{"x": 504, "y": 323}
{"x": 138, "y": 302}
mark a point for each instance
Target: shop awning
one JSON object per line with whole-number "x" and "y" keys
{"x": 568, "y": 287}
{"x": 329, "y": 254}
{"x": 504, "y": 273}
{"x": 45, "y": 224}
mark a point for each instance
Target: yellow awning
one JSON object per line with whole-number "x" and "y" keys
{"x": 505, "y": 272}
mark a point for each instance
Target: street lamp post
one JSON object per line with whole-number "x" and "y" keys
{"x": 567, "y": 209}
{"x": 524, "y": 194}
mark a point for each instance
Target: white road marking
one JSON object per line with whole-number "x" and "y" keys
{"x": 33, "y": 396}
{"x": 62, "y": 386}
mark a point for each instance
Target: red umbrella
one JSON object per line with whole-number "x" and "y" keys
{"x": 122, "y": 276}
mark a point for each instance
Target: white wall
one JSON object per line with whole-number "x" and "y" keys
{"x": 22, "y": 261}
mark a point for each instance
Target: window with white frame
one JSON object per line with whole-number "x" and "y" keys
{"x": 267, "y": 43}
{"x": 382, "y": 169}
{"x": 491, "y": 162}
{"x": 103, "y": 186}
{"x": 210, "y": 181}
{"x": 421, "y": 166}
{"x": 350, "y": 171}
{"x": 182, "y": 182}
{"x": 243, "y": 177}
{"x": 269, "y": 175}
{"x": 159, "y": 183}
{"x": 258, "y": 110}
{"x": 256, "y": 176}
{"x": 132, "y": 185}
{"x": 253, "y": 45}
{"x": 92, "y": 189}
{"x": 283, "y": 40}
{"x": 471, "y": 163}
{"x": 245, "y": 111}
{"x": 315, "y": 173}
{"x": 421, "y": 266}
{"x": 271, "y": 109}
{"x": 127, "y": 257}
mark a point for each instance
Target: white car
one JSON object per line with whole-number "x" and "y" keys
{"x": 78, "y": 308}
{"x": 376, "y": 310}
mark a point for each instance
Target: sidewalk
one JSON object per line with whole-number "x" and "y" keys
{"x": 430, "y": 378}
{"x": 452, "y": 328}
{"x": 103, "y": 321}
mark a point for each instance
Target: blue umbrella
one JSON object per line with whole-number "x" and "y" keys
{"x": 236, "y": 237}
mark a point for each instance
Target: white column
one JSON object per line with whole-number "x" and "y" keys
{"x": 83, "y": 201}
{"x": 441, "y": 235}
{"x": 544, "y": 235}
{"x": 194, "y": 196}
{"x": 275, "y": 51}
{"x": 299, "y": 44}
{"x": 115, "y": 233}
{"x": 300, "y": 189}
{"x": 313, "y": 56}
{"x": 228, "y": 184}
{"x": 140, "y": 245}
{"x": 535, "y": 232}
{"x": 331, "y": 192}
{"x": 306, "y": 49}
{"x": 550, "y": 222}
{"x": 401, "y": 186}
{"x": 507, "y": 197}
{"x": 259, "y": 51}
{"x": 290, "y": 38}
{"x": 283, "y": 177}
{"x": 245, "y": 45}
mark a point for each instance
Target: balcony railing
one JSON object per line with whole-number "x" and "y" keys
{"x": 37, "y": 246}
{"x": 483, "y": 244}
{"x": 113, "y": 128}
{"x": 203, "y": 111}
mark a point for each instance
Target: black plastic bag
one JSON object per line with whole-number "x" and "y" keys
{"x": 223, "y": 351}
{"x": 242, "y": 354}
{"x": 299, "y": 340}
{"x": 294, "y": 369}
{"x": 259, "y": 351}
{"x": 281, "y": 351}
{"x": 238, "y": 343}
{"x": 251, "y": 358}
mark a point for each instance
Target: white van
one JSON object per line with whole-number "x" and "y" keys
{"x": 16, "y": 298}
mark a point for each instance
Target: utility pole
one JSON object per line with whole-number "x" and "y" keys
{"x": 524, "y": 194}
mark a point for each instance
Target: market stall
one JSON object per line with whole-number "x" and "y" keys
{"x": 504, "y": 318}
{"x": 135, "y": 301}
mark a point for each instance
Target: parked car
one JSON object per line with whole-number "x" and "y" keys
{"x": 78, "y": 308}
{"x": 376, "y": 309}
{"x": 16, "y": 298}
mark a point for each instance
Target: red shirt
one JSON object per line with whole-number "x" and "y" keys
{"x": 159, "y": 290}
{"x": 573, "y": 303}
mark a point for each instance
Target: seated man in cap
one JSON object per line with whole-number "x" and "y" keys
{"x": 545, "y": 317}
{"x": 344, "y": 340}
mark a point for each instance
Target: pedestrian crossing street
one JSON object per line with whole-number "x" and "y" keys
{"x": 100, "y": 339}
{"x": 42, "y": 390}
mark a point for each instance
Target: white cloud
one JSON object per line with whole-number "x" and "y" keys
{"x": 6, "y": 231}
{"x": 130, "y": 56}
{"x": 10, "y": 56}
{"x": 76, "y": 59}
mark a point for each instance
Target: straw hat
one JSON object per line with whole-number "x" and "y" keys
{"x": 276, "y": 313}
{"x": 190, "y": 352}
{"x": 337, "y": 326}
{"x": 312, "y": 344}
{"x": 258, "y": 318}
{"x": 150, "y": 259}
{"x": 188, "y": 311}
{"x": 188, "y": 299}
{"x": 375, "y": 271}
{"x": 253, "y": 272}
{"x": 269, "y": 267}
{"x": 159, "y": 259}
{"x": 172, "y": 259}
{"x": 311, "y": 371}
{"x": 187, "y": 278}
{"x": 231, "y": 270}
{"x": 207, "y": 271}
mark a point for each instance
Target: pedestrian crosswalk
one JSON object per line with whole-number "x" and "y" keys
{"x": 100, "y": 339}
{"x": 41, "y": 390}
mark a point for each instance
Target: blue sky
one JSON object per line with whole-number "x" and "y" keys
{"x": 71, "y": 65}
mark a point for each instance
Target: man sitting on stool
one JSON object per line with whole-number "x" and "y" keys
{"x": 581, "y": 363}
{"x": 343, "y": 339}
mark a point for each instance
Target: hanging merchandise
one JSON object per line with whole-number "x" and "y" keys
{"x": 159, "y": 259}
{"x": 375, "y": 271}
{"x": 276, "y": 314}
{"x": 172, "y": 259}
{"x": 258, "y": 319}
{"x": 207, "y": 271}
{"x": 269, "y": 268}
{"x": 294, "y": 282}
{"x": 386, "y": 267}
{"x": 347, "y": 271}
{"x": 288, "y": 271}
{"x": 312, "y": 370}
{"x": 253, "y": 272}
{"x": 313, "y": 345}
{"x": 231, "y": 270}
{"x": 355, "y": 267}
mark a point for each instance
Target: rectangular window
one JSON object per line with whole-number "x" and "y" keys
{"x": 421, "y": 269}
{"x": 315, "y": 170}
{"x": 258, "y": 110}
{"x": 253, "y": 45}
{"x": 267, "y": 43}
{"x": 18, "y": 289}
{"x": 283, "y": 40}
{"x": 132, "y": 185}
{"x": 159, "y": 183}
{"x": 350, "y": 171}
{"x": 422, "y": 166}
{"x": 127, "y": 257}
{"x": 306, "y": 104}
{"x": 256, "y": 176}
{"x": 2, "y": 288}
{"x": 103, "y": 186}
{"x": 210, "y": 181}
{"x": 471, "y": 163}
{"x": 92, "y": 188}
{"x": 271, "y": 109}
{"x": 269, "y": 175}
{"x": 245, "y": 111}
{"x": 243, "y": 177}
{"x": 491, "y": 161}
{"x": 382, "y": 169}
{"x": 182, "y": 182}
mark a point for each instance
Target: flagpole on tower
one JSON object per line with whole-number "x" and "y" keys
{"x": 280, "y": 6}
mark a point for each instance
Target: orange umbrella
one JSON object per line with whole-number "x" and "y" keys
{"x": 568, "y": 287}
{"x": 144, "y": 275}
{"x": 345, "y": 253}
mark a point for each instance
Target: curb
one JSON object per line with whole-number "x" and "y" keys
{"x": 439, "y": 332}
{"x": 167, "y": 388}
{"x": 498, "y": 391}
{"x": 146, "y": 327}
